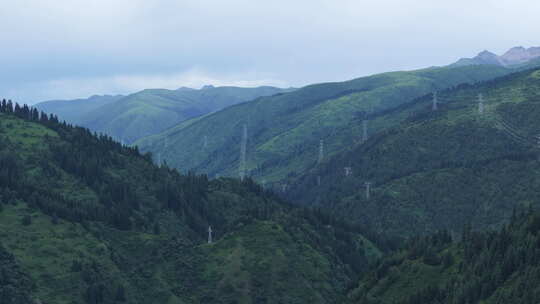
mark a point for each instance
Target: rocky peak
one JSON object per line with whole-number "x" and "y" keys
{"x": 515, "y": 55}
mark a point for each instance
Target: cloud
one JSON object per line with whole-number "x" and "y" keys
{"x": 61, "y": 47}
{"x": 72, "y": 88}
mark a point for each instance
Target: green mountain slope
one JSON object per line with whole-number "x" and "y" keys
{"x": 489, "y": 267}
{"x": 284, "y": 131}
{"x": 84, "y": 219}
{"x": 74, "y": 111}
{"x": 150, "y": 111}
{"x": 439, "y": 169}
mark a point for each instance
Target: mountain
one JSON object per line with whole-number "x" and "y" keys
{"x": 284, "y": 131}
{"x": 149, "y": 111}
{"x": 518, "y": 55}
{"x": 84, "y": 219}
{"x": 472, "y": 160}
{"x": 484, "y": 267}
{"x": 74, "y": 111}
{"x": 514, "y": 56}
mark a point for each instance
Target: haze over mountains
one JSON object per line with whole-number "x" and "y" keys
{"x": 285, "y": 130}
{"x": 149, "y": 111}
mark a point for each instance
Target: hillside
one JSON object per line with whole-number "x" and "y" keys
{"x": 84, "y": 219}
{"x": 284, "y": 131}
{"x": 149, "y": 111}
{"x": 439, "y": 169}
{"x": 74, "y": 111}
{"x": 488, "y": 268}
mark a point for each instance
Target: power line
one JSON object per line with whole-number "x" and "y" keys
{"x": 321, "y": 151}
{"x": 243, "y": 148}
{"x": 368, "y": 190}
{"x": 480, "y": 104}
{"x": 364, "y": 130}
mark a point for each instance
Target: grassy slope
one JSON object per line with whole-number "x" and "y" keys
{"x": 284, "y": 131}
{"x": 74, "y": 111}
{"x": 443, "y": 169}
{"x": 154, "y": 110}
{"x": 286, "y": 257}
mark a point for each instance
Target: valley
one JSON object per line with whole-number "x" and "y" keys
{"x": 402, "y": 187}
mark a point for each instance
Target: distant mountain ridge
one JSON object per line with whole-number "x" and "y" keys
{"x": 74, "y": 110}
{"x": 285, "y": 130}
{"x": 514, "y": 56}
{"x": 150, "y": 111}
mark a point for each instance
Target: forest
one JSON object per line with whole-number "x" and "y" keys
{"x": 81, "y": 210}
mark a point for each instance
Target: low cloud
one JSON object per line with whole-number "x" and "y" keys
{"x": 72, "y": 88}
{"x": 73, "y": 48}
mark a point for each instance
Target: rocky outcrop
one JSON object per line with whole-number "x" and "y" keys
{"x": 514, "y": 56}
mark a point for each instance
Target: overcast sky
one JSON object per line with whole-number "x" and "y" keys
{"x": 59, "y": 49}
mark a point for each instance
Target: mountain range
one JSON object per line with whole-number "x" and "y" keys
{"x": 469, "y": 161}
{"x": 285, "y": 131}
{"x": 403, "y": 187}
{"x": 150, "y": 111}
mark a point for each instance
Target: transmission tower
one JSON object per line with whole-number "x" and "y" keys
{"x": 209, "y": 234}
{"x": 435, "y": 105}
{"x": 243, "y": 147}
{"x": 321, "y": 151}
{"x": 538, "y": 143}
{"x": 480, "y": 104}
{"x": 364, "y": 130}
{"x": 368, "y": 189}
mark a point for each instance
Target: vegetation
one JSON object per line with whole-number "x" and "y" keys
{"x": 484, "y": 267}
{"x": 284, "y": 130}
{"x": 15, "y": 285}
{"x": 440, "y": 169}
{"x": 149, "y": 111}
{"x": 74, "y": 111}
{"x": 85, "y": 219}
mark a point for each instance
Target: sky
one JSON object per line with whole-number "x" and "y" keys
{"x": 65, "y": 49}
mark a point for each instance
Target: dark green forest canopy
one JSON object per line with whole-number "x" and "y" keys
{"x": 89, "y": 220}
{"x": 484, "y": 267}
